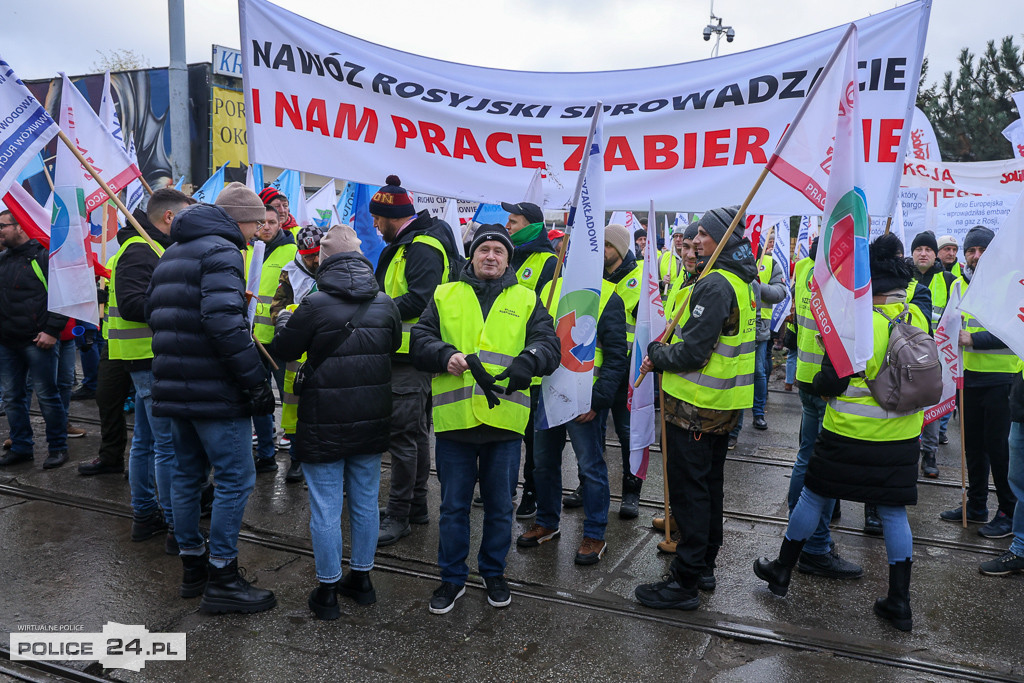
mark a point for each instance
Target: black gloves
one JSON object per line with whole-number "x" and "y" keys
{"x": 519, "y": 373}
{"x": 261, "y": 399}
{"x": 102, "y": 296}
{"x": 483, "y": 379}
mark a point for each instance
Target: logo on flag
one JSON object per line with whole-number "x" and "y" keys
{"x": 845, "y": 241}
{"x": 576, "y": 326}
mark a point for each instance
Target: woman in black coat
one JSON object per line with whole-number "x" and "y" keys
{"x": 344, "y": 413}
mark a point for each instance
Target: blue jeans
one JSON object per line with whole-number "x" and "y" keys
{"x": 16, "y": 362}
{"x": 820, "y": 542}
{"x": 226, "y": 445}
{"x": 548, "y": 445}
{"x": 899, "y": 543}
{"x": 65, "y": 371}
{"x": 791, "y": 367}
{"x": 151, "y": 458}
{"x": 762, "y": 363}
{"x": 1016, "y": 478}
{"x": 358, "y": 478}
{"x": 943, "y": 423}
{"x": 459, "y": 465}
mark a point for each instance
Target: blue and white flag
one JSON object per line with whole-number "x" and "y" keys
{"x": 566, "y": 393}
{"x": 491, "y": 213}
{"x": 290, "y": 185}
{"x": 254, "y": 177}
{"x": 781, "y": 255}
{"x": 135, "y": 192}
{"x": 32, "y": 169}
{"x": 207, "y": 194}
{"x": 371, "y": 243}
{"x": 321, "y": 208}
{"x": 803, "y": 242}
{"x": 347, "y": 203}
{"x": 25, "y": 127}
{"x": 650, "y": 321}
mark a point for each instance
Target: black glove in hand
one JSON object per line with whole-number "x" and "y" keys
{"x": 483, "y": 378}
{"x": 261, "y": 400}
{"x": 102, "y": 296}
{"x": 519, "y": 373}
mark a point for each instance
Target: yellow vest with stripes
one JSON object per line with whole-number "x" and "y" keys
{"x": 726, "y": 382}
{"x": 629, "y": 289}
{"x": 764, "y": 274}
{"x": 856, "y": 414}
{"x": 270, "y": 277}
{"x": 458, "y": 402}
{"x": 529, "y": 273}
{"x": 809, "y": 352}
{"x": 126, "y": 340}
{"x": 670, "y": 268}
{"x": 395, "y": 284}
{"x": 990, "y": 360}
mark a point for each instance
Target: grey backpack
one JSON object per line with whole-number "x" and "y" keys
{"x": 910, "y": 378}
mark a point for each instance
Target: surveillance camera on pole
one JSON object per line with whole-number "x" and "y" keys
{"x": 716, "y": 27}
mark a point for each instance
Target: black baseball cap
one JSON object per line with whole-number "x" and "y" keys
{"x": 530, "y": 212}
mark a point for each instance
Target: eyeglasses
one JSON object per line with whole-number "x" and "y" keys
{"x": 8, "y": 225}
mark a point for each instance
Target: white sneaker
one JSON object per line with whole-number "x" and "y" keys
{"x": 284, "y": 442}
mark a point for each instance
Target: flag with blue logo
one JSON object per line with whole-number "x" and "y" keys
{"x": 346, "y": 203}
{"x": 25, "y": 127}
{"x": 491, "y": 213}
{"x": 321, "y": 208}
{"x": 71, "y": 281}
{"x": 372, "y": 244}
{"x": 207, "y": 194}
{"x": 566, "y": 393}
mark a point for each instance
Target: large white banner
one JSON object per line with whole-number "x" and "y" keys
{"x": 690, "y": 136}
{"x": 963, "y": 179}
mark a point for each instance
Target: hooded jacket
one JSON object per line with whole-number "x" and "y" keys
{"x": 23, "y": 296}
{"x": 431, "y": 354}
{"x": 205, "y": 361}
{"x": 345, "y": 406}
{"x": 134, "y": 271}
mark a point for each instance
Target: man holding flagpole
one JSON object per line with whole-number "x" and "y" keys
{"x": 708, "y": 380}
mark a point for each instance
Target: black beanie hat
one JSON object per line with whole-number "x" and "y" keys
{"x": 979, "y": 236}
{"x": 889, "y": 270}
{"x": 637, "y": 234}
{"x": 489, "y": 232}
{"x": 392, "y": 200}
{"x": 716, "y": 221}
{"x": 925, "y": 239}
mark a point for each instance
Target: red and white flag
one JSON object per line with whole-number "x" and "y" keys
{"x": 108, "y": 156}
{"x": 947, "y": 338}
{"x": 820, "y": 156}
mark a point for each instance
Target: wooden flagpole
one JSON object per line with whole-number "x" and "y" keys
{"x": 664, "y": 470}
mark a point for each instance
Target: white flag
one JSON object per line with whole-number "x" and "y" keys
{"x": 566, "y": 393}
{"x": 780, "y": 253}
{"x": 252, "y": 283}
{"x": 996, "y": 293}
{"x": 947, "y": 338}
{"x": 25, "y": 127}
{"x": 322, "y": 207}
{"x": 451, "y": 217}
{"x": 650, "y": 321}
{"x": 135, "y": 192}
{"x": 92, "y": 138}
{"x": 71, "y": 280}
{"x": 535, "y": 191}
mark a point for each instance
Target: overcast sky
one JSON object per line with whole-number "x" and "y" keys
{"x": 538, "y": 35}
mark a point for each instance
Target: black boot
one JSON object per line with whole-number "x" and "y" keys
{"x": 324, "y": 601}
{"x": 193, "y": 579}
{"x": 357, "y": 585}
{"x": 228, "y": 591}
{"x": 706, "y": 578}
{"x": 895, "y": 608}
{"x": 777, "y": 572}
{"x": 872, "y": 522}
{"x": 630, "y": 506}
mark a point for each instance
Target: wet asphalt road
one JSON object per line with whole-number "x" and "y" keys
{"x": 67, "y": 559}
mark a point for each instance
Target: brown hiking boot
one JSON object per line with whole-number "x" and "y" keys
{"x": 659, "y": 524}
{"x": 535, "y": 536}
{"x": 590, "y": 551}
{"x": 75, "y": 432}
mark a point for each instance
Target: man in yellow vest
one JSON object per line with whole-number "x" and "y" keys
{"x": 280, "y": 250}
{"x": 929, "y": 272}
{"x": 947, "y": 255}
{"x": 864, "y": 452}
{"x": 989, "y": 367}
{"x": 622, "y": 270}
{"x": 416, "y": 260}
{"x": 708, "y": 378}
{"x": 819, "y": 556}
{"x": 533, "y": 261}
{"x": 670, "y": 267}
{"x": 484, "y": 338}
{"x": 129, "y": 339}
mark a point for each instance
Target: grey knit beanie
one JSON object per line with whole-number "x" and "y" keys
{"x": 241, "y": 203}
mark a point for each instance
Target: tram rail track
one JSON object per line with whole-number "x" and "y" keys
{"x": 882, "y": 652}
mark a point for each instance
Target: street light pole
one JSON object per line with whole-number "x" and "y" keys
{"x": 178, "y": 109}
{"x": 716, "y": 27}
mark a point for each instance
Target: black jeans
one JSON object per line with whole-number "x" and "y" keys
{"x": 528, "y": 485}
{"x": 986, "y": 443}
{"x": 696, "y": 465}
{"x": 113, "y": 384}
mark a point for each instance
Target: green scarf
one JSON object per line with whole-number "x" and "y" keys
{"x": 527, "y": 234}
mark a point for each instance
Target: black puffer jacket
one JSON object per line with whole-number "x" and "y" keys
{"x": 345, "y": 408}
{"x": 883, "y": 473}
{"x": 23, "y": 296}
{"x": 204, "y": 357}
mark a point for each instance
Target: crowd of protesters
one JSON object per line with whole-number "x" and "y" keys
{"x": 429, "y": 345}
